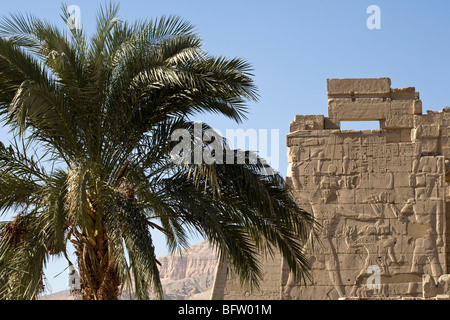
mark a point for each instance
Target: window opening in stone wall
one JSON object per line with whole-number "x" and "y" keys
{"x": 360, "y": 125}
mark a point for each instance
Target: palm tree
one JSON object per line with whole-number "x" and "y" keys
{"x": 91, "y": 162}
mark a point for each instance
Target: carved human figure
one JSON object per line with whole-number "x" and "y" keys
{"x": 379, "y": 250}
{"x": 346, "y": 165}
{"x": 386, "y": 252}
{"x": 347, "y": 173}
{"x": 386, "y": 239}
{"x": 329, "y": 230}
{"x": 440, "y": 165}
{"x": 377, "y": 239}
{"x": 379, "y": 204}
{"x": 331, "y": 220}
{"x": 412, "y": 175}
{"x": 331, "y": 259}
{"x": 329, "y": 184}
{"x": 367, "y": 240}
{"x": 426, "y": 215}
{"x": 326, "y": 184}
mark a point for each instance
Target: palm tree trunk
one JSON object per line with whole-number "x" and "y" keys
{"x": 99, "y": 277}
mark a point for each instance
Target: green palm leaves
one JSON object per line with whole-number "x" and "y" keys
{"x": 100, "y": 113}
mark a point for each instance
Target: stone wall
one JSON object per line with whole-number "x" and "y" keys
{"x": 227, "y": 285}
{"x": 380, "y": 196}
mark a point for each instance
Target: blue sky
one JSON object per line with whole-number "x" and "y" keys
{"x": 294, "y": 46}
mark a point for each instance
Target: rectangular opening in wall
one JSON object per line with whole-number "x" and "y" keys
{"x": 360, "y": 125}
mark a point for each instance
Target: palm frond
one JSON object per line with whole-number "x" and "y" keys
{"x": 22, "y": 261}
{"x": 141, "y": 249}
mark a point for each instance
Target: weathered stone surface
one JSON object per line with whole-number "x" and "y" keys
{"x": 358, "y": 86}
{"x": 307, "y": 123}
{"x": 429, "y": 287}
{"x": 427, "y": 132}
{"x": 380, "y": 196}
{"x": 444, "y": 283}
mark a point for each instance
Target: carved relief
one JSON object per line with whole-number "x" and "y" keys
{"x": 379, "y": 195}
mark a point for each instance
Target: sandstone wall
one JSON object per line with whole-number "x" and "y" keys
{"x": 380, "y": 196}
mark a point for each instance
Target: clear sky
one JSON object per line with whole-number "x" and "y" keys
{"x": 294, "y": 46}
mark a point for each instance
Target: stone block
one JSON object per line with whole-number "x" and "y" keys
{"x": 358, "y": 86}
{"x": 444, "y": 138}
{"x": 401, "y": 107}
{"x": 406, "y": 135}
{"x": 446, "y": 152}
{"x": 404, "y": 93}
{"x": 402, "y": 180}
{"x": 308, "y": 122}
{"x": 393, "y": 136}
{"x": 426, "y": 132}
{"x": 417, "y": 106}
{"x": 427, "y": 119}
{"x": 444, "y": 283}
{"x": 429, "y": 146}
{"x": 429, "y": 287}
{"x": 361, "y": 109}
{"x": 399, "y": 121}
{"x": 330, "y": 123}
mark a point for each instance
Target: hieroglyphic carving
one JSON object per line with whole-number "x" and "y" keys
{"x": 397, "y": 185}
{"x": 379, "y": 195}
